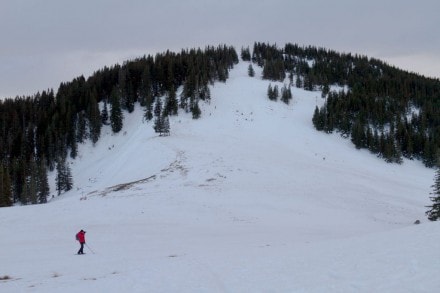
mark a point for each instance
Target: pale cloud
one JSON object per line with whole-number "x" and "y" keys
{"x": 425, "y": 64}
{"x": 44, "y": 42}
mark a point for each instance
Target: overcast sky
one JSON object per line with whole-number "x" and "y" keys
{"x": 45, "y": 42}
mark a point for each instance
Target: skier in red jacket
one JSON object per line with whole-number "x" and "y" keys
{"x": 81, "y": 237}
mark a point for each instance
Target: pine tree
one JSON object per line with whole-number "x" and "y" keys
{"x": 325, "y": 90}
{"x": 95, "y": 119}
{"x": 17, "y": 179}
{"x": 434, "y": 212}
{"x": 272, "y": 92}
{"x": 148, "y": 113}
{"x": 251, "y": 71}
{"x": 43, "y": 183}
{"x": 145, "y": 90}
{"x": 116, "y": 116}
{"x": 63, "y": 180}
{"x": 358, "y": 134}
{"x": 195, "y": 110}
{"x": 276, "y": 92}
{"x": 104, "y": 113}
{"x": 245, "y": 54}
{"x": 162, "y": 125}
{"x": 25, "y": 190}
{"x": 171, "y": 106}
{"x": 166, "y": 126}
{"x": 81, "y": 126}
{"x": 33, "y": 182}
{"x": 5, "y": 188}
{"x": 59, "y": 179}
{"x": 68, "y": 177}
{"x": 298, "y": 82}
{"x": 158, "y": 107}
{"x": 158, "y": 124}
{"x": 308, "y": 82}
{"x": 158, "y": 114}
{"x": 125, "y": 88}
{"x": 290, "y": 78}
{"x": 204, "y": 93}
{"x": 286, "y": 94}
{"x": 319, "y": 119}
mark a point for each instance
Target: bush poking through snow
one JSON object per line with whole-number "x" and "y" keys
{"x": 5, "y": 277}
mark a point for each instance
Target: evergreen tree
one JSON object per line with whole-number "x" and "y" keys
{"x": 33, "y": 192}
{"x": 104, "y": 113}
{"x": 162, "y": 125}
{"x": 325, "y": 90}
{"x": 33, "y": 182}
{"x": 95, "y": 119}
{"x": 298, "y": 81}
{"x": 166, "y": 126}
{"x": 308, "y": 82}
{"x": 245, "y": 54}
{"x": 145, "y": 90}
{"x": 159, "y": 117}
{"x": 276, "y": 93}
{"x": 286, "y": 94}
{"x": 358, "y": 134}
{"x": 251, "y": 71}
{"x": 43, "y": 183}
{"x": 148, "y": 113}
{"x": 81, "y": 126}
{"x": 63, "y": 180}
{"x": 25, "y": 192}
{"x": 5, "y": 188}
{"x": 272, "y": 92}
{"x": 158, "y": 124}
{"x": 204, "y": 93}
{"x": 158, "y": 107}
{"x": 17, "y": 179}
{"x": 126, "y": 91}
{"x": 434, "y": 212}
{"x": 68, "y": 178}
{"x": 59, "y": 180}
{"x": 116, "y": 116}
{"x": 319, "y": 119}
{"x": 171, "y": 106}
{"x": 290, "y": 78}
{"x": 195, "y": 110}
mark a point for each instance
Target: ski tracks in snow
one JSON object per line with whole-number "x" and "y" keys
{"x": 175, "y": 167}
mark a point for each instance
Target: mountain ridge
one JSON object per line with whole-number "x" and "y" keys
{"x": 390, "y": 112}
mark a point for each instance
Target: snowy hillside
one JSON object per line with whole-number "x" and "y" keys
{"x": 249, "y": 198}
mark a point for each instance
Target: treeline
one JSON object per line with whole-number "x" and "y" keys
{"x": 389, "y": 111}
{"x": 39, "y": 132}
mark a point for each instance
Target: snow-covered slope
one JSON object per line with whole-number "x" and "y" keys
{"x": 249, "y": 198}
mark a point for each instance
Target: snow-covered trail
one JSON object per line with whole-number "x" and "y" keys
{"x": 250, "y": 198}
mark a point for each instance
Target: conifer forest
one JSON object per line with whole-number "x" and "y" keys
{"x": 393, "y": 113}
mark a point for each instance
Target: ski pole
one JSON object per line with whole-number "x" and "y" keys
{"x": 89, "y": 248}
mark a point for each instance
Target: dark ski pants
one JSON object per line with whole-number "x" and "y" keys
{"x": 80, "y": 251}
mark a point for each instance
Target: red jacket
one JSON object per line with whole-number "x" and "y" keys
{"x": 81, "y": 236}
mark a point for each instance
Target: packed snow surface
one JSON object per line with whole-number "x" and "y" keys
{"x": 249, "y": 198}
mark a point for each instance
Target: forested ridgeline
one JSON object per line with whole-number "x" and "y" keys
{"x": 389, "y": 111}
{"x": 39, "y": 132}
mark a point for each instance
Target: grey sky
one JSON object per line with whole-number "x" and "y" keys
{"x": 44, "y": 42}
